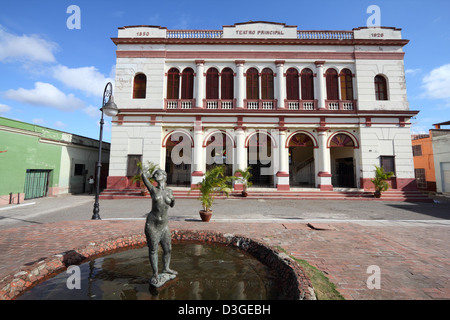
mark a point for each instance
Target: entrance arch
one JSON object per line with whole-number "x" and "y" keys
{"x": 178, "y": 145}
{"x": 342, "y": 157}
{"x": 260, "y": 158}
{"x": 301, "y": 160}
{"x": 219, "y": 151}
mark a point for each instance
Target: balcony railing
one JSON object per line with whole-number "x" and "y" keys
{"x": 260, "y": 104}
{"x": 300, "y": 104}
{"x": 344, "y": 105}
{"x": 327, "y": 35}
{"x": 217, "y": 34}
{"x": 219, "y": 104}
{"x": 194, "y": 34}
{"x": 179, "y": 103}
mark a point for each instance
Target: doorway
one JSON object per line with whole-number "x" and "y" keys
{"x": 36, "y": 183}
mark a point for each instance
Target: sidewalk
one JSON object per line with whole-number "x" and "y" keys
{"x": 413, "y": 255}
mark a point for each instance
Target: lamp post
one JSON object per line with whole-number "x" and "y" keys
{"x": 110, "y": 109}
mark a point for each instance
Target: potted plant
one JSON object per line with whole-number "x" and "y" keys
{"x": 213, "y": 182}
{"x": 380, "y": 181}
{"x": 245, "y": 176}
{"x": 148, "y": 169}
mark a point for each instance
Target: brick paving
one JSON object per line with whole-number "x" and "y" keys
{"x": 414, "y": 259}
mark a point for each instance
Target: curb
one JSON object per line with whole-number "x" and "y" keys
{"x": 296, "y": 285}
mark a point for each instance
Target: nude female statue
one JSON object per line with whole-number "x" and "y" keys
{"x": 157, "y": 228}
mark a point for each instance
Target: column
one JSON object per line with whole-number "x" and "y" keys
{"x": 200, "y": 84}
{"x": 240, "y": 84}
{"x": 324, "y": 175}
{"x": 281, "y": 86}
{"x": 320, "y": 85}
{"x": 282, "y": 176}
{"x": 241, "y": 155}
{"x": 199, "y": 165}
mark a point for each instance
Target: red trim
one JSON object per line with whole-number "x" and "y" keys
{"x": 315, "y": 144}
{"x": 282, "y": 174}
{"x": 404, "y": 184}
{"x": 183, "y": 131}
{"x": 324, "y": 174}
{"x": 325, "y": 187}
{"x": 355, "y": 141}
{"x": 274, "y": 42}
{"x": 197, "y": 174}
{"x": 283, "y": 187}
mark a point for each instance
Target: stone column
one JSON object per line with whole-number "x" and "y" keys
{"x": 320, "y": 85}
{"x": 281, "y": 86}
{"x": 282, "y": 176}
{"x": 198, "y": 165}
{"x": 240, "y": 84}
{"x": 241, "y": 155}
{"x": 199, "y": 84}
{"x": 324, "y": 175}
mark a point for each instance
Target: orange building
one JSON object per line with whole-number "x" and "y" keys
{"x": 424, "y": 161}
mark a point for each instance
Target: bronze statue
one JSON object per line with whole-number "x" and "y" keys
{"x": 157, "y": 229}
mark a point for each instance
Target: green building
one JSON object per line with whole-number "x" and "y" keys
{"x": 37, "y": 162}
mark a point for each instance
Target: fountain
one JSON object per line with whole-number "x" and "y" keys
{"x": 210, "y": 265}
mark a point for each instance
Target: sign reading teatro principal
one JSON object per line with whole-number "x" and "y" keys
{"x": 260, "y": 30}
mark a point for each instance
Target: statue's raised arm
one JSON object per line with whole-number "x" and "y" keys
{"x": 147, "y": 183}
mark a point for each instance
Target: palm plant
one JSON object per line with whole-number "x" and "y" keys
{"x": 148, "y": 169}
{"x": 214, "y": 182}
{"x": 380, "y": 180}
{"x": 245, "y": 177}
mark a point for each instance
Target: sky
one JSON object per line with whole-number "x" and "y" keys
{"x": 53, "y": 74}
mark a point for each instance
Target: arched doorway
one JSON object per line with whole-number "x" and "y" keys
{"x": 178, "y": 159}
{"x": 219, "y": 151}
{"x": 260, "y": 159}
{"x": 301, "y": 161}
{"x": 342, "y": 157}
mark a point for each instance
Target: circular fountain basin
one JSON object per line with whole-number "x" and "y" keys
{"x": 205, "y": 271}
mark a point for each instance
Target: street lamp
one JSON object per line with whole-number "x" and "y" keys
{"x": 110, "y": 109}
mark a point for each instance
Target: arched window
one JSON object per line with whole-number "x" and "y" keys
{"x": 341, "y": 140}
{"x": 139, "y": 86}
{"x": 212, "y": 84}
{"x": 227, "y": 85}
{"x": 331, "y": 76}
{"x": 292, "y": 84}
{"x": 267, "y": 84}
{"x": 307, "y": 77}
{"x": 380, "y": 88}
{"x": 173, "y": 84}
{"x": 187, "y": 84}
{"x": 252, "y": 84}
{"x": 346, "y": 85}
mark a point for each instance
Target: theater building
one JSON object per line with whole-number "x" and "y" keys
{"x": 304, "y": 109}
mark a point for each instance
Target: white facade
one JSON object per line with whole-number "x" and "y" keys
{"x": 310, "y": 140}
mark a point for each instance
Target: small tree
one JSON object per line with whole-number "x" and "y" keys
{"x": 148, "y": 169}
{"x": 380, "y": 180}
{"x": 245, "y": 177}
{"x": 213, "y": 182}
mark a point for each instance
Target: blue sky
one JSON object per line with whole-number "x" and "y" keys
{"x": 54, "y": 76}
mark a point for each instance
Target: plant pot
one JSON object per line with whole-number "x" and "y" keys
{"x": 205, "y": 215}
{"x": 244, "y": 193}
{"x": 377, "y": 194}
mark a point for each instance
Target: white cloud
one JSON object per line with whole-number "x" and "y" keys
{"x": 47, "y": 95}
{"x": 60, "y": 124}
{"x": 413, "y": 72}
{"x": 38, "y": 121}
{"x": 87, "y": 79}
{"x": 93, "y": 112}
{"x": 437, "y": 83}
{"x": 4, "y": 108}
{"x": 25, "y": 48}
